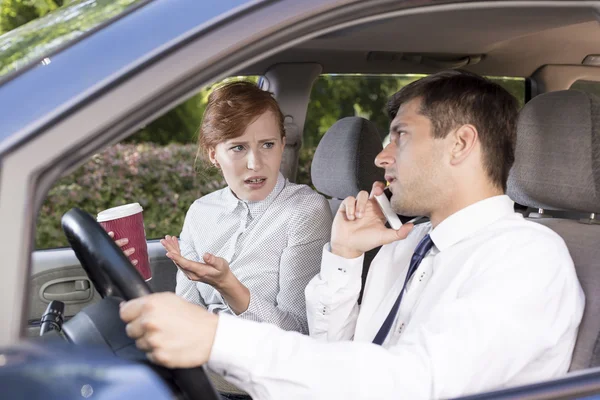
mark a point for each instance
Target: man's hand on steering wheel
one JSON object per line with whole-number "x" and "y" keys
{"x": 173, "y": 332}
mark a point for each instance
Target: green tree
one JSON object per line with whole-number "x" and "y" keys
{"x": 14, "y": 13}
{"x": 32, "y": 37}
{"x": 180, "y": 124}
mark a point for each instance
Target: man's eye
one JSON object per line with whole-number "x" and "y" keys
{"x": 237, "y": 148}
{"x": 269, "y": 145}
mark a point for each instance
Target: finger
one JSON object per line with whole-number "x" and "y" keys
{"x": 377, "y": 189}
{"x": 216, "y": 262}
{"x": 129, "y": 251}
{"x": 187, "y": 265}
{"x": 166, "y": 244}
{"x": 348, "y": 207}
{"x": 132, "y": 309}
{"x": 143, "y": 344}
{"x": 154, "y": 359}
{"x": 136, "y": 329}
{"x": 361, "y": 203}
{"x": 150, "y": 357}
{"x": 170, "y": 246}
{"x": 134, "y": 262}
{"x": 122, "y": 242}
{"x": 175, "y": 244}
{"x": 111, "y": 234}
{"x": 390, "y": 235}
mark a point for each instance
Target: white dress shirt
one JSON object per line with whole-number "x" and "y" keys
{"x": 273, "y": 247}
{"x": 495, "y": 303}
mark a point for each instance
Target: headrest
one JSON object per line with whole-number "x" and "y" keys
{"x": 557, "y": 159}
{"x": 344, "y": 162}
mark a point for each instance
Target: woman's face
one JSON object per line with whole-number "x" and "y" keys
{"x": 250, "y": 163}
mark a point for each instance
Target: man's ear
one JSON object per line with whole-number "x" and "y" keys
{"x": 464, "y": 140}
{"x": 212, "y": 156}
{"x": 283, "y": 142}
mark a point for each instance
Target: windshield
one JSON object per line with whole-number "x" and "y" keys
{"x": 37, "y": 39}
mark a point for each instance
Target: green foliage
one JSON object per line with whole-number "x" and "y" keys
{"x": 180, "y": 125}
{"x": 161, "y": 178}
{"x": 338, "y": 96}
{"x": 36, "y": 37}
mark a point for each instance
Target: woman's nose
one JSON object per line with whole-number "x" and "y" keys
{"x": 387, "y": 156}
{"x": 254, "y": 161}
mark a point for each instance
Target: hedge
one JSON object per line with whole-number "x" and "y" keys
{"x": 165, "y": 180}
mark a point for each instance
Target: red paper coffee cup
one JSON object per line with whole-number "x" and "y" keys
{"x": 127, "y": 222}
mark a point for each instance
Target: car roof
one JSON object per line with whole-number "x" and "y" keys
{"x": 494, "y": 39}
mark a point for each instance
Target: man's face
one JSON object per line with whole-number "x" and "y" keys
{"x": 414, "y": 163}
{"x": 250, "y": 163}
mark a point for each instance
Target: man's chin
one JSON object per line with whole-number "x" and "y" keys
{"x": 401, "y": 207}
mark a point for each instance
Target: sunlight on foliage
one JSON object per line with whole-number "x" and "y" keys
{"x": 37, "y": 37}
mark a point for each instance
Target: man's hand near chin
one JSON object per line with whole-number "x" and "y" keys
{"x": 359, "y": 225}
{"x": 172, "y": 332}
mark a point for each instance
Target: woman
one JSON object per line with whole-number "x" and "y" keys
{"x": 251, "y": 248}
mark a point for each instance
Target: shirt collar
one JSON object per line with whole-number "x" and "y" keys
{"x": 256, "y": 208}
{"x": 469, "y": 220}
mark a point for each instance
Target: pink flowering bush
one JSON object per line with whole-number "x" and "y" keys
{"x": 163, "y": 179}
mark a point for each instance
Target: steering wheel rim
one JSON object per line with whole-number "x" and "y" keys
{"x": 113, "y": 275}
{"x": 107, "y": 266}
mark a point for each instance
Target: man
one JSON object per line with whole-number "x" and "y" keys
{"x": 475, "y": 300}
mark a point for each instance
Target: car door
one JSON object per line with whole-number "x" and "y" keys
{"x": 56, "y": 274}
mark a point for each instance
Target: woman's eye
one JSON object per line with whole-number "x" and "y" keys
{"x": 237, "y": 148}
{"x": 268, "y": 145}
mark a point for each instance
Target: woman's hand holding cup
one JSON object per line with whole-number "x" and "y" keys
{"x": 122, "y": 243}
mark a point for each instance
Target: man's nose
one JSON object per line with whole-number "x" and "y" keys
{"x": 387, "y": 156}
{"x": 254, "y": 161}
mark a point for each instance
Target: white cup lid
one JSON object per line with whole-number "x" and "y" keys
{"x": 119, "y": 212}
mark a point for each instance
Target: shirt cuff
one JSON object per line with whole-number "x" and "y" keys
{"x": 336, "y": 268}
{"x": 252, "y": 311}
{"x": 232, "y": 354}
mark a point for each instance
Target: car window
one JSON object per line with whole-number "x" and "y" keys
{"x": 158, "y": 167}
{"x": 337, "y": 96}
{"x": 37, "y": 39}
{"x": 587, "y": 86}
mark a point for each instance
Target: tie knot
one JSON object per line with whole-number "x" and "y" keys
{"x": 424, "y": 246}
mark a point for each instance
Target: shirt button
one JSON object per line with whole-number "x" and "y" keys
{"x": 400, "y": 328}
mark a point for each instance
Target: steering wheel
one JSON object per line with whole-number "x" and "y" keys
{"x": 113, "y": 275}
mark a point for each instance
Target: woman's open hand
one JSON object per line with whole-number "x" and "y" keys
{"x": 214, "y": 271}
{"x": 171, "y": 244}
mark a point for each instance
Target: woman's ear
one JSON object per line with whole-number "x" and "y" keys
{"x": 283, "y": 142}
{"x": 212, "y": 156}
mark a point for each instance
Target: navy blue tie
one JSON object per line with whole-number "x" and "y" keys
{"x": 422, "y": 248}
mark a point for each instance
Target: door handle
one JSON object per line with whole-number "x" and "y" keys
{"x": 82, "y": 290}
{"x": 70, "y": 296}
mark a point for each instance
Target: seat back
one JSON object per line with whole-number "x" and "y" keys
{"x": 344, "y": 164}
{"x": 344, "y": 161}
{"x": 557, "y": 171}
